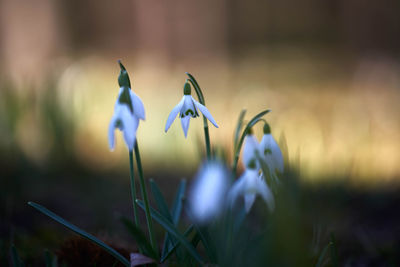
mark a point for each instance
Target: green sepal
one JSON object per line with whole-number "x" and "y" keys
{"x": 252, "y": 164}
{"x": 187, "y": 89}
{"x": 123, "y": 78}
{"x": 125, "y": 98}
{"x": 267, "y": 129}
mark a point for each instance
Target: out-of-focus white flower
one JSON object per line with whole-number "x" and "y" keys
{"x": 128, "y": 110}
{"x": 250, "y": 148}
{"x": 249, "y": 185}
{"x": 271, "y": 152}
{"x": 187, "y": 108}
{"x": 208, "y": 194}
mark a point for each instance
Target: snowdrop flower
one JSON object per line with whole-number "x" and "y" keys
{"x": 271, "y": 152}
{"x": 207, "y": 197}
{"x": 128, "y": 110}
{"x": 188, "y": 108}
{"x": 249, "y": 185}
{"x": 250, "y": 148}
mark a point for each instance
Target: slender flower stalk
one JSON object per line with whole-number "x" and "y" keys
{"x": 149, "y": 220}
{"x": 133, "y": 189}
{"x": 200, "y": 96}
{"x": 128, "y": 111}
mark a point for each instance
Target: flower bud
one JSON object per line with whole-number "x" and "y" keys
{"x": 267, "y": 129}
{"x": 123, "y": 78}
{"x": 187, "y": 90}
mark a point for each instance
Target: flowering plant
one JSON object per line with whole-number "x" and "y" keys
{"x": 212, "y": 204}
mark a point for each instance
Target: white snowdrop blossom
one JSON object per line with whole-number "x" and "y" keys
{"x": 128, "y": 110}
{"x": 188, "y": 108}
{"x": 208, "y": 194}
{"x": 271, "y": 152}
{"x": 249, "y": 185}
{"x": 250, "y": 148}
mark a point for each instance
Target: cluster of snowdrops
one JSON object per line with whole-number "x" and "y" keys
{"x": 215, "y": 192}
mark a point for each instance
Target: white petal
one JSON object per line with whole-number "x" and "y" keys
{"x": 111, "y": 131}
{"x": 173, "y": 113}
{"x": 130, "y": 124}
{"x": 277, "y": 155}
{"x": 236, "y": 190}
{"x": 249, "y": 149}
{"x": 188, "y": 104}
{"x": 205, "y": 112}
{"x": 248, "y": 201}
{"x": 265, "y": 193}
{"x": 275, "y": 158}
{"x": 138, "y": 107}
{"x": 185, "y": 124}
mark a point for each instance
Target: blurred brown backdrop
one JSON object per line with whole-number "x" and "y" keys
{"x": 329, "y": 70}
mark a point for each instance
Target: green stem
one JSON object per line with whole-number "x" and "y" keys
{"x": 207, "y": 137}
{"x": 205, "y": 122}
{"x": 133, "y": 190}
{"x": 149, "y": 220}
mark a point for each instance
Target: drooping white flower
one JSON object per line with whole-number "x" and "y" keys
{"x": 271, "y": 152}
{"x": 128, "y": 110}
{"x": 188, "y": 108}
{"x": 207, "y": 197}
{"x": 250, "y": 148}
{"x": 126, "y": 123}
{"x": 248, "y": 186}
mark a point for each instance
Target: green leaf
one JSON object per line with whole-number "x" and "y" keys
{"x": 322, "y": 255}
{"x": 16, "y": 260}
{"x": 205, "y": 239}
{"x": 176, "y": 244}
{"x": 80, "y": 232}
{"x": 238, "y": 127}
{"x": 160, "y": 200}
{"x": 140, "y": 238}
{"x": 334, "y": 255}
{"x": 50, "y": 259}
{"x": 175, "y": 213}
{"x": 177, "y": 204}
{"x": 250, "y": 124}
{"x": 164, "y": 210}
{"x": 173, "y": 231}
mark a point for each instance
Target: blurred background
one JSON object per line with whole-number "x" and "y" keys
{"x": 328, "y": 70}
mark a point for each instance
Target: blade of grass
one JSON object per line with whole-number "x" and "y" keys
{"x": 178, "y": 203}
{"x": 322, "y": 255}
{"x": 50, "y": 259}
{"x": 175, "y": 213}
{"x": 17, "y": 262}
{"x": 160, "y": 200}
{"x": 200, "y": 96}
{"x": 176, "y": 244}
{"x": 173, "y": 231}
{"x": 238, "y": 127}
{"x": 334, "y": 255}
{"x": 80, "y": 232}
{"x": 140, "y": 238}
